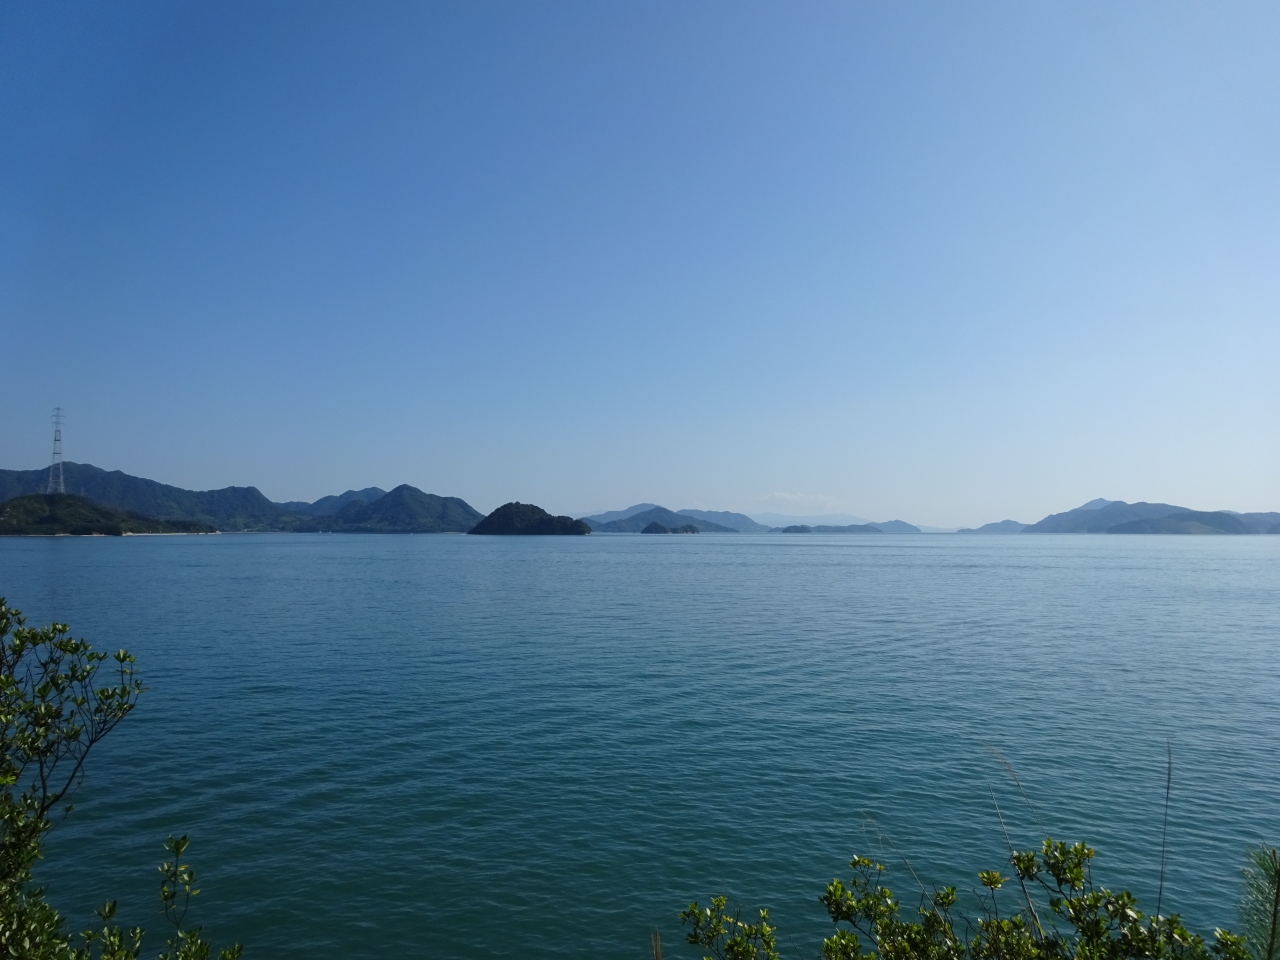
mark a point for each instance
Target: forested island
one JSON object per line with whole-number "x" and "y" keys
{"x": 656, "y": 527}
{"x": 525, "y": 519}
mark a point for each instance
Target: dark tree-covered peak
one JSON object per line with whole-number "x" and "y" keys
{"x": 526, "y": 519}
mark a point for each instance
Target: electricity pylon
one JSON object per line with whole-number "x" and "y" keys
{"x": 55, "y": 469}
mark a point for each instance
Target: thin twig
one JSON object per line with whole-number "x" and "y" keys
{"x": 1014, "y": 774}
{"x": 1164, "y": 835}
{"x": 1275, "y": 903}
{"x": 1030, "y": 906}
{"x": 923, "y": 892}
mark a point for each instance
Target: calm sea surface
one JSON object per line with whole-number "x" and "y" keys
{"x": 476, "y": 747}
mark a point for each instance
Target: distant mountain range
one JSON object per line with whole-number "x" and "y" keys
{"x": 1096, "y": 516}
{"x": 635, "y": 518}
{"x": 407, "y": 509}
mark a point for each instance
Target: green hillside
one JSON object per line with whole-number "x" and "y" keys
{"x": 59, "y": 514}
{"x": 1186, "y": 521}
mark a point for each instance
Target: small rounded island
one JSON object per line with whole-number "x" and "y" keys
{"x": 656, "y": 527}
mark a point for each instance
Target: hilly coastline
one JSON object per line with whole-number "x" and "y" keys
{"x": 65, "y": 514}
{"x": 242, "y": 509}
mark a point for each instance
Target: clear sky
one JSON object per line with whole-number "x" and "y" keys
{"x": 945, "y": 262}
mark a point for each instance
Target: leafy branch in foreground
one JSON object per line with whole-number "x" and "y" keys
{"x": 58, "y": 699}
{"x": 1076, "y": 920}
{"x": 1260, "y": 911}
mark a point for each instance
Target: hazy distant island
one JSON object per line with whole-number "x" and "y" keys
{"x": 65, "y": 514}
{"x": 636, "y": 522}
{"x": 1000, "y": 526}
{"x": 1116, "y": 516}
{"x": 525, "y": 519}
{"x": 848, "y": 528}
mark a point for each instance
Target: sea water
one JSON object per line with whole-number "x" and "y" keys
{"x": 474, "y": 747}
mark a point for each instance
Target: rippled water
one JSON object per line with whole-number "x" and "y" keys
{"x": 495, "y": 747}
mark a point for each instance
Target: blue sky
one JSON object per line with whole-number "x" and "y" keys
{"x": 945, "y": 262}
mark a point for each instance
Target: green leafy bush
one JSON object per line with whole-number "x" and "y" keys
{"x": 1057, "y": 913}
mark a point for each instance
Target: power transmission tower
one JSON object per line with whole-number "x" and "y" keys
{"x": 55, "y": 469}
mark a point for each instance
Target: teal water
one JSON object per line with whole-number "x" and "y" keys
{"x": 545, "y": 747}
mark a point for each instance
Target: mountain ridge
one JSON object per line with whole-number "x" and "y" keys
{"x": 332, "y": 504}
{"x": 404, "y": 509}
{"x": 240, "y": 509}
